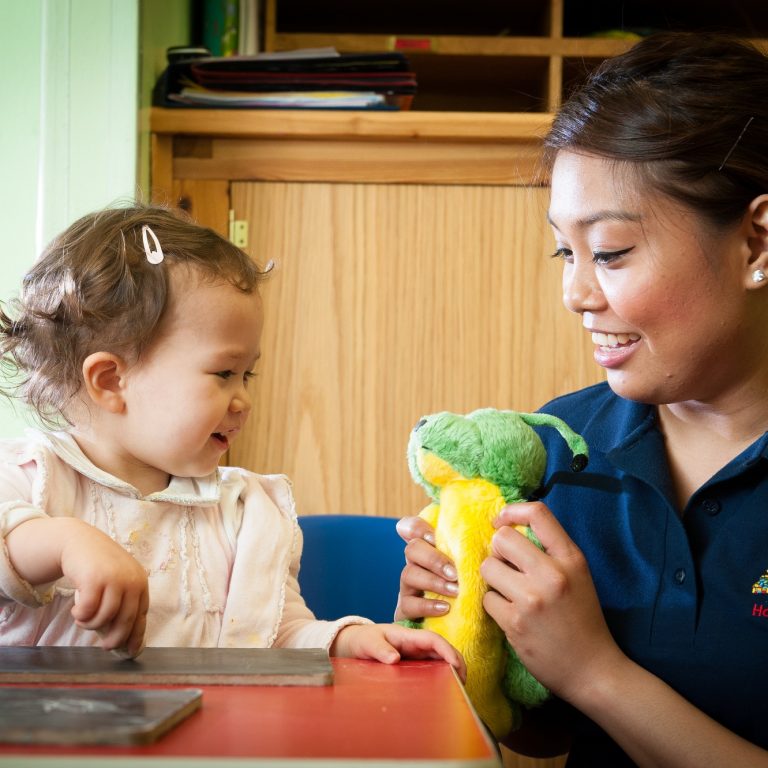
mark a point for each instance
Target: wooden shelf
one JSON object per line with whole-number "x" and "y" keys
{"x": 526, "y": 55}
{"x": 349, "y": 125}
{"x": 589, "y": 47}
{"x": 451, "y": 148}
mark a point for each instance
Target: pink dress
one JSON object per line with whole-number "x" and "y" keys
{"x": 221, "y": 552}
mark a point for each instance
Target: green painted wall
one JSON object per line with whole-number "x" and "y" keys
{"x": 163, "y": 24}
{"x": 68, "y": 126}
{"x": 20, "y": 44}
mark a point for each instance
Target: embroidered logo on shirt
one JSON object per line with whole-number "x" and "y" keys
{"x": 760, "y": 587}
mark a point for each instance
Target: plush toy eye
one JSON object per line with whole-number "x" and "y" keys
{"x": 420, "y": 424}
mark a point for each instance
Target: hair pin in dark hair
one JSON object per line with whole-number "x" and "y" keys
{"x": 736, "y": 143}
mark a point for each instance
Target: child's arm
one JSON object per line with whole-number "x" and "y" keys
{"x": 112, "y": 593}
{"x": 389, "y": 643}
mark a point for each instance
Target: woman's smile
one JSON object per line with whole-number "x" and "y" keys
{"x": 613, "y": 349}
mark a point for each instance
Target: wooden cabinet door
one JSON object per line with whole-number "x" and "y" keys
{"x": 390, "y": 301}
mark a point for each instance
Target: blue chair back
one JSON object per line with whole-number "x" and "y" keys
{"x": 351, "y": 564}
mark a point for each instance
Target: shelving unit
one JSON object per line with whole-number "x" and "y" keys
{"x": 408, "y": 244}
{"x": 503, "y": 55}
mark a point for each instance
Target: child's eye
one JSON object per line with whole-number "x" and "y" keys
{"x": 224, "y": 374}
{"x": 566, "y": 254}
{"x": 606, "y": 257}
{"x": 247, "y": 376}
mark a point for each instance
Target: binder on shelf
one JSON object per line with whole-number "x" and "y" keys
{"x": 315, "y": 78}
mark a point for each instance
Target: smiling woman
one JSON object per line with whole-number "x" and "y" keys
{"x": 643, "y": 612}
{"x": 632, "y": 274}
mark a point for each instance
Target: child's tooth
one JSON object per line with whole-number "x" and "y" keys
{"x": 612, "y": 339}
{"x": 622, "y": 337}
{"x": 599, "y": 338}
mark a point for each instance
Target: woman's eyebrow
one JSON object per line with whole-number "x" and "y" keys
{"x": 604, "y": 215}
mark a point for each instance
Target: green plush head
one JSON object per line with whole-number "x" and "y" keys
{"x": 498, "y": 446}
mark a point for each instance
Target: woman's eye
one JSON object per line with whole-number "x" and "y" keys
{"x": 566, "y": 254}
{"x": 606, "y": 257}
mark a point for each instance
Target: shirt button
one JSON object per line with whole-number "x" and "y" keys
{"x": 680, "y": 575}
{"x": 711, "y": 506}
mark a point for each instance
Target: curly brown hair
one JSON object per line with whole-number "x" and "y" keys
{"x": 94, "y": 288}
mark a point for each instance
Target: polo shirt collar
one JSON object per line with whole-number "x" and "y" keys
{"x": 628, "y": 434}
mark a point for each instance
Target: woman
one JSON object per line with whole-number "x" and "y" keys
{"x": 645, "y": 613}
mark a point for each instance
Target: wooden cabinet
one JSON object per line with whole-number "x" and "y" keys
{"x": 497, "y": 55}
{"x": 413, "y": 275}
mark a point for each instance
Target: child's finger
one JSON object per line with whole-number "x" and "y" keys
{"x": 447, "y": 652}
{"x": 424, "y": 644}
{"x": 380, "y": 649}
{"x": 135, "y": 644}
{"x": 110, "y": 600}
{"x": 116, "y": 634}
{"x": 86, "y": 604}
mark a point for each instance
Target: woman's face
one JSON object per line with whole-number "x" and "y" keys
{"x": 664, "y": 298}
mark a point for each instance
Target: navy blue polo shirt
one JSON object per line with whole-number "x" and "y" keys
{"x": 684, "y": 594}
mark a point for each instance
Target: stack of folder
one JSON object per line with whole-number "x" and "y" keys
{"x": 309, "y": 79}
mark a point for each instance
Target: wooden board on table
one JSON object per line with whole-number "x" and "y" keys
{"x": 128, "y": 716}
{"x": 187, "y": 666}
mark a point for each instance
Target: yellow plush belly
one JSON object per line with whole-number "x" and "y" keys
{"x": 463, "y": 530}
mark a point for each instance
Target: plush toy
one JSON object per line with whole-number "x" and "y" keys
{"x": 471, "y": 466}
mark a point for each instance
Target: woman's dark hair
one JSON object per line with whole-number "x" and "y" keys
{"x": 94, "y": 288}
{"x": 689, "y": 111}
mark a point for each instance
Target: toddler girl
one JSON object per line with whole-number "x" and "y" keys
{"x": 134, "y": 338}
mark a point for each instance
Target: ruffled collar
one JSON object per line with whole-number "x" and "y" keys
{"x": 187, "y": 491}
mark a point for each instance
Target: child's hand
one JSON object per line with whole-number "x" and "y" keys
{"x": 389, "y": 642}
{"x": 111, "y": 590}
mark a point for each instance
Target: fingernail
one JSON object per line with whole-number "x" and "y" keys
{"x": 450, "y": 572}
{"x": 429, "y": 538}
{"x": 439, "y": 605}
{"x": 451, "y": 587}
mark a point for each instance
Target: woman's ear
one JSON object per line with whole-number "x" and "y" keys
{"x": 103, "y": 376}
{"x": 757, "y": 238}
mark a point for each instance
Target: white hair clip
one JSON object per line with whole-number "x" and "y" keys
{"x": 156, "y": 256}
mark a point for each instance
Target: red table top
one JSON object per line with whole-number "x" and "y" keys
{"x": 411, "y": 711}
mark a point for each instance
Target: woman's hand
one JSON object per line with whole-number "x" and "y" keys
{"x": 426, "y": 569}
{"x": 389, "y": 643}
{"x": 546, "y": 603}
{"x": 548, "y": 608}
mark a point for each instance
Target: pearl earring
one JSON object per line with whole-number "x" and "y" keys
{"x": 758, "y": 276}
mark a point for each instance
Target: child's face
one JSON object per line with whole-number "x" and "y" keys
{"x": 186, "y": 399}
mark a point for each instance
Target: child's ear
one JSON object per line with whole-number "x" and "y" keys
{"x": 103, "y": 376}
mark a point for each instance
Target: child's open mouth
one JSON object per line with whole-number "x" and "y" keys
{"x": 221, "y": 439}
